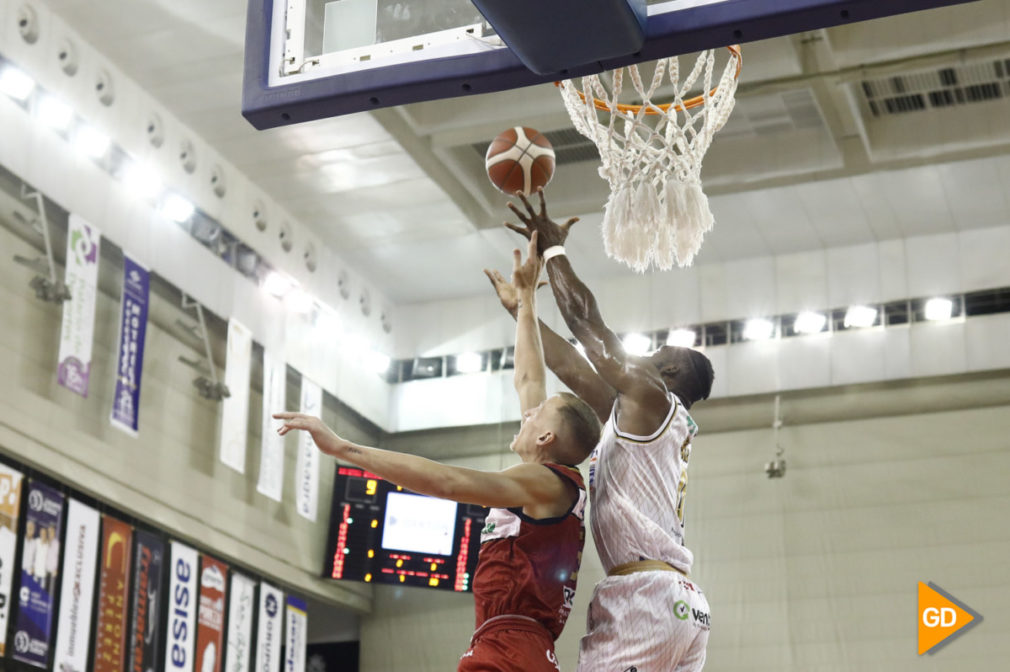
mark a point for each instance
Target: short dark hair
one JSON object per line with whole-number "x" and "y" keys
{"x": 583, "y": 428}
{"x": 701, "y": 367}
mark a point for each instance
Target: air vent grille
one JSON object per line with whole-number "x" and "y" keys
{"x": 937, "y": 89}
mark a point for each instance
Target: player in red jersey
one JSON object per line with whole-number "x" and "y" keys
{"x": 532, "y": 541}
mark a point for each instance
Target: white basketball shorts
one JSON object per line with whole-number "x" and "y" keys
{"x": 651, "y": 621}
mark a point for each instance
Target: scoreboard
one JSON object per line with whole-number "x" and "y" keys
{"x": 381, "y": 533}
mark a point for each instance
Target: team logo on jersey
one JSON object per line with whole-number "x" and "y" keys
{"x": 692, "y": 428}
{"x": 685, "y": 450}
{"x": 488, "y": 529}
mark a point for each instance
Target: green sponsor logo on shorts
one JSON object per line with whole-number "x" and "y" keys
{"x": 488, "y": 529}
{"x": 681, "y": 610}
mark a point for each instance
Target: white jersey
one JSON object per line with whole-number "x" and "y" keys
{"x": 636, "y": 489}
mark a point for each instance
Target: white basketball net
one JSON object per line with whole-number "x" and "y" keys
{"x": 657, "y": 213}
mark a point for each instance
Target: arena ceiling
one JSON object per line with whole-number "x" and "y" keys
{"x": 882, "y": 130}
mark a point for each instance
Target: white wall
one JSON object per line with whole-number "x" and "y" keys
{"x": 815, "y": 572}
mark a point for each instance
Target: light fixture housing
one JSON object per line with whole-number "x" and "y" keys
{"x": 860, "y": 317}
{"x": 299, "y": 301}
{"x": 91, "y": 142}
{"x": 277, "y": 284}
{"x": 636, "y": 344}
{"x": 469, "y": 362}
{"x": 378, "y": 362}
{"x": 54, "y": 113}
{"x": 682, "y": 338}
{"x": 809, "y": 322}
{"x": 141, "y": 179}
{"x": 177, "y": 208}
{"x": 758, "y": 329}
{"x": 15, "y": 83}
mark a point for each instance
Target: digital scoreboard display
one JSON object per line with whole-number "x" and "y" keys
{"x": 381, "y": 533}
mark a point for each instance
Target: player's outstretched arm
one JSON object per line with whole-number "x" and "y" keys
{"x": 643, "y": 394}
{"x": 522, "y": 485}
{"x": 530, "y": 371}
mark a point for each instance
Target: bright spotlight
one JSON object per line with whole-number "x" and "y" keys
{"x": 469, "y": 362}
{"x": 277, "y": 285}
{"x": 809, "y": 323}
{"x": 758, "y": 329}
{"x": 939, "y": 309}
{"x": 682, "y": 338}
{"x": 299, "y": 301}
{"x": 15, "y": 83}
{"x": 636, "y": 344}
{"x": 860, "y": 317}
{"x": 55, "y": 113}
{"x": 177, "y": 208}
{"x": 91, "y": 142}
{"x": 141, "y": 180}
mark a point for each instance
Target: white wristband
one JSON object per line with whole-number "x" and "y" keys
{"x": 553, "y": 251}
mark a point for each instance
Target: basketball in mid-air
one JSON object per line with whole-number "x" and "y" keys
{"x": 519, "y": 161}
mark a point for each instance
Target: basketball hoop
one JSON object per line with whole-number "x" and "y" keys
{"x": 657, "y": 213}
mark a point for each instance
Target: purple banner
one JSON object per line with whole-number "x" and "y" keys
{"x": 130, "y": 364}
{"x": 40, "y": 558}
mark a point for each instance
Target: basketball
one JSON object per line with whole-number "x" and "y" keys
{"x": 519, "y": 161}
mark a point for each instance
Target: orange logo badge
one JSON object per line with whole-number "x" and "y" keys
{"x": 942, "y": 617}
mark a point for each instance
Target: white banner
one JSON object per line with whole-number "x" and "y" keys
{"x": 307, "y": 467}
{"x": 268, "y": 638}
{"x": 240, "y": 618}
{"x": 181, "y": 626}
{"x": 77, "y": 333}
{"x": 295, "y": 635}
{"x": 10, "y": 505}
{"x": 271, "y": 480}
{"x": 235, "y": 408}
{"x": 80, "y": 553}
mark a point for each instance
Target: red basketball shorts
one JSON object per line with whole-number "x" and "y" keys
{"x": 510, "y": 645}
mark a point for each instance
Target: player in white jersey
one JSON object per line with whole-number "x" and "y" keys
{"x": 646, "y": 616}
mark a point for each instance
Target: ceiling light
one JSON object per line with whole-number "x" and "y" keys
{"x": 299, "y": 301}
{"x": 91, "y": 142}
{"x": 939, "y": 309}
{"x": 758, "y": 329}
{"x": 378, "y": 362}
{"x": 809, "y": 323}
{"x": 860, "y": 316}
{"x": 177, "y": 208}
{"x": 636, "y": 344}
{"x": 469, "y": 362}
{"x": 277, "y": 285}
{"x": 16, "y": 83}
{"x": 55, "y": 113}
{"x": 682, "y": 338}
{"x": 142, "y": 180}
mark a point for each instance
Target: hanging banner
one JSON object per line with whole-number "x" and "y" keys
{"x": 268, "y": 639}
{"x": 113, "y": 587}
{"x": 77, "y": 592}
{"x": 210, "y": 621}
{"x": 40, "y": 556}
{"x": 240, "y": 619}
{"x": 130, "y": 362}
{"x": 295, "y": 635}
{"x": 144, "y": 631}
{"x": 307, "y": 469}
{"x": 235, "y": 407}
{"x": 10, "y": 505}
{"x": 181, "y": 626}
{"x": 81, "y": 276}
{"x": 275, "y": 374}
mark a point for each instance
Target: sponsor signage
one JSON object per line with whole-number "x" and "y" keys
{"x": 77, "y": 592}
{"x": 240, "y": 620}
{"x": 10, "y": 505}
{"x": 307, "y": 469}
{"x": 271, "y": 478}
{"x": 295, "y": 635}
{"x": 180, "y": 636}
{"x": 110, "y": 633}
{"x": 130, "y": 360}
{"x": 142, "y": 644}
{"x": 40, "y": 555}
{"x": 268, "y": 640}
{"x": 210, "y": 623}
{"x": 77, "y": 333}
{"x": 235, "y": 407}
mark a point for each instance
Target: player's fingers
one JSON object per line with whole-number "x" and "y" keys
{"x": 543, "y": 202}
{"x": 531, "y": 249}
{"x": 526, "y": 202}
{"x": 518, "y": 213}
{"x": 518, "y": 229}
{"x": 285, "y": 415}
{"x": 541, "y": 284}
{"x": 517, "y": 260}
{"x": 570, "y": 222}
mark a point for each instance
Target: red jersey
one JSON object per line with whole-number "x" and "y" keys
{"x": 529, "y": 567}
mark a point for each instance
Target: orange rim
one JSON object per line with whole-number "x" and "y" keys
{"x": 689, "y": 104}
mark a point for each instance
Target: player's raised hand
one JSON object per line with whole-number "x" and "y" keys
{"x": 551, "y": 233}
{"x": 525, "y": 275}
{"x": 325, "y": 438}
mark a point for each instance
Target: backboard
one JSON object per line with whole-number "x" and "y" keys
{"x": 312, "y": 59}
